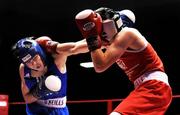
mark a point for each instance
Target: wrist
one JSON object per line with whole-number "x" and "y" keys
{"x": 51, "y": 46}
{"x": 93, "y": 43}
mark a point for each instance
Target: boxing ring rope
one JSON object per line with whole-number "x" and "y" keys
{"x": 108, "y": 101}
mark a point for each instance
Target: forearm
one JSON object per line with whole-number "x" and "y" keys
{"x": 27, "y": 95}
{"x": 29, "y": 98}
{"x": 99, "y": 60}
{"x": 81, "y": 47}
{"x": 72, "y": 48}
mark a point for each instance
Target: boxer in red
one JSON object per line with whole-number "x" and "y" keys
{"x": 126, "y": 46}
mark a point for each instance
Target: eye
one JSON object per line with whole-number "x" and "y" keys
{"x": 35, "y": 58}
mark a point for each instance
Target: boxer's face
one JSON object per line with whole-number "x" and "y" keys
{"x": 36, "y": 63}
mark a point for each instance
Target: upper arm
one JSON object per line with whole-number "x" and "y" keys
{"x": 72, "y": 48}
{"x": 117, "y": 48}
{"x": 103, "y": 60}
{"x": 28, "y": 97}
{"x": 24, "y": 88}
{"x": 123, "y": 40}
{"x": 66, "y": 49}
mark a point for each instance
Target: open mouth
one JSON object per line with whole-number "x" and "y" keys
{"x": 38, "y": 66}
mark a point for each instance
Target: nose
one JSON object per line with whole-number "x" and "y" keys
{"x": 33, "y": 63}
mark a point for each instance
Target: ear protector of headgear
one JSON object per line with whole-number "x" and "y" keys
{"x": 25, "y": 49}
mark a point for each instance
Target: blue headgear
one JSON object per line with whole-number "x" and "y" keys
{"x": 128, "y": 17}
{"x": 27, "y": 48}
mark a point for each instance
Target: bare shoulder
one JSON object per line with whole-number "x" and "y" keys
{"x": 60, "y": 62}
{"x": 129, "y": 38}
{"x": 137, "y": 40}
{"x": 43, "y": 38}
{"x": 126, "y": 35}
{"x": 130, "y": 31}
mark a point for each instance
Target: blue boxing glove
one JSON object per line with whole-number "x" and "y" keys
{"x": 128, "y": 18}
{"x": 46, "y": 86}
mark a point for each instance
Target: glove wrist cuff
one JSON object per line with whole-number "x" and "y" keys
{"x": 93, "y": 43}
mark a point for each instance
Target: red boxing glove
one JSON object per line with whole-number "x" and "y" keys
{"x": 90, "y": 26}
{"x": 49, "y": 45}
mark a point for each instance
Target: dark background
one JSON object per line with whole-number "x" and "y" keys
{"x": 158, "y": 21}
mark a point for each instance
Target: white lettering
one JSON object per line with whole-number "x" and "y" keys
{"x": 26, "y": 58}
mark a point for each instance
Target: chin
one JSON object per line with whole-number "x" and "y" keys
{"x": 41, "y": 69}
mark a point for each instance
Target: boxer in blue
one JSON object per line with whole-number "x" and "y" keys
{"x": 43, "y": 73}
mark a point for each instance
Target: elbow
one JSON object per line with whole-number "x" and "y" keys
{"x": 99, "y": 69}
{"x": 27, "y": 101}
